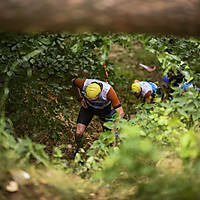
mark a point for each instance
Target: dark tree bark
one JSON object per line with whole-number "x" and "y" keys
{"x": 178, "y": 17}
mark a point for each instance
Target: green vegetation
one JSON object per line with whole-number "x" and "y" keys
{"x": 157, "y": 153}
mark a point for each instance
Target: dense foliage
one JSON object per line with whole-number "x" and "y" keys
{"x": 37, "y": 105}
{"x": 182, "y": 53}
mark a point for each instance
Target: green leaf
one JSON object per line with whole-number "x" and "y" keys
{"x": 195, "y": 116}
{"x": 182, "y": 112}
{"x": 109, "y": 125}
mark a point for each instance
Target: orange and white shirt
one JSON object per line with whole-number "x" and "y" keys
{"x": 107, "y": 95}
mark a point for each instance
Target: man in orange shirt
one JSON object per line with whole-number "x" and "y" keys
{"x": 96, "y": 98}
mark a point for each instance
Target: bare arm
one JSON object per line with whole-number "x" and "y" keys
{"x": 148, "y": 97}
{"x": 77, "y": 90}
{"x": 120, "y": 112}
{"x": 115, "y": 102}
{"x": 78, "y": 94}
{"x": 147, "y": 67}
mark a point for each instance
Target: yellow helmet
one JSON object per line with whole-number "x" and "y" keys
{"x": 136, "y": 87}
{"x": 93, "y": 90}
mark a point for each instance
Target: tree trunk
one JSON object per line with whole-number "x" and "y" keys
{"x": 178, "y": 17}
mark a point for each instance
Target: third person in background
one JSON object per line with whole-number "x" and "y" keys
{"x": 172, "y": 79}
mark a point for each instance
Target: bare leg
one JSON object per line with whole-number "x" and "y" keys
{"x": 80, "y": 129}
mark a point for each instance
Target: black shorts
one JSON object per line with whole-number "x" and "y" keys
{"x": 85, "y": 115}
